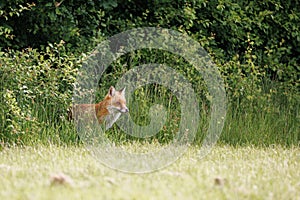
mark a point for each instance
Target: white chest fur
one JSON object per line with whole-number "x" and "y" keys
{"x": 111, "y": 118}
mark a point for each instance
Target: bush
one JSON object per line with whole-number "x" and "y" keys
{"x": 41, "y": 22}
{"x": 35, "y": 92}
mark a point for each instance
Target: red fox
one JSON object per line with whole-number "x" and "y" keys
{"x": 107, "y": 111}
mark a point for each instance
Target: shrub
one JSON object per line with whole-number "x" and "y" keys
{"x": 36, "y": 89}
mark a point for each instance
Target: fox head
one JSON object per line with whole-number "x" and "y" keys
{"x": 117, "y": 100}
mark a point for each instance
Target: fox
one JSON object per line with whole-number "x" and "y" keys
{"x": 107, "y": 111}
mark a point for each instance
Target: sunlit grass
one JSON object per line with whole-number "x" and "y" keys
{"x": 226, "y": 173}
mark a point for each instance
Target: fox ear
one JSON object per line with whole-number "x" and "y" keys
{"x": 111, "y": 91}
{"x": 123, "y": 90}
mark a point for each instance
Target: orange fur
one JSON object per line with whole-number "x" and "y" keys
{"x": 107, "y": 110}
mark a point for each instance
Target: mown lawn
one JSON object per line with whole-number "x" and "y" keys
{"x": 226, "y": 173}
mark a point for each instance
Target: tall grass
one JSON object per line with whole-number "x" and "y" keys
{"x": 34, "y": 102}
{"x": 264, "y": 122}
{"x": 270, "y": 118}
{"x": 262, "y": 128}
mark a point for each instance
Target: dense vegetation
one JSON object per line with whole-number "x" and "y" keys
{"x": 254, "y": 44}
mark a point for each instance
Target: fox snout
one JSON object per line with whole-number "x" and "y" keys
{"x": 124, "y": 110}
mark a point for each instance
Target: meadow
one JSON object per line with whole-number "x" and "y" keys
{"x": 42, "y": 157}
{"x": 226, "y": 173}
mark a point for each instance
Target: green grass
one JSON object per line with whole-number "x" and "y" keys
{"x": 262, "y": 128}
{"x": 226, "y": 173}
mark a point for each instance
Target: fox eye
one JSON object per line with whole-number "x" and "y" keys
{"x": 118, "y": 103}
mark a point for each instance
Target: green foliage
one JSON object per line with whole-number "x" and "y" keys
{"x": 228, "y": 30}
{"x": 6, "y": 31}
{"x": 43, "y": 22}
{"x": 35, "y": 90}
{"x": 254, "y": 44}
